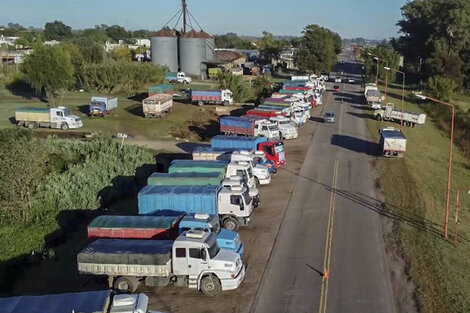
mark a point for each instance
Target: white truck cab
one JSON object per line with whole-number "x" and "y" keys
{"x": 265, "y": 128}
{"x": 63, "y": 116}
{"x": 235, "y": 206}
{"x": 227, "y": 96}
{"x": 287, "y": 128}
{"x": 260, "y": 172}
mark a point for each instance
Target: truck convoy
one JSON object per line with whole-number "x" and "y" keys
{"x": 392, "y": 142}
{"x": 249, "y": 126}
{"x": 103, "y": 301}
{"x": 274, "y": 150}
{"x": 157, "y": 105}
{"x": 163, "y": 227}
{"x": 233, "y": 205}
{"x": 389, "y": 113}
{"x": 178, "y": 77}
{"x": 60, "y": 118}
{"x": 99, "y": 106}
{"x": 193, "y": 260}
{"x": 201, "y": 97}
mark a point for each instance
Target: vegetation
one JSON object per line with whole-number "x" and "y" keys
{"x": 269, "y": 47}
{"x": 441, "y": 87}
{"x": 414, "y": 190}
{"x": 232, "y": 41}
{"x": 57, "y": 31}
{"x": 388, "y": 57}
{"x": 66, "y": 175}
{"x": 319, "y": 49}
{"x": 262, "y": 87}
{"x": 48, "y": 69}
{"x": 120, "y": 76}
{"x": 436, "y": 32}
{"x": 242, "y": 92}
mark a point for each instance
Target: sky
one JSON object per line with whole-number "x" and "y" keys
{"x": 371, "y": 19}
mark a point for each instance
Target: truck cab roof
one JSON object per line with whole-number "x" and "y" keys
{"x": 196, "y": 237}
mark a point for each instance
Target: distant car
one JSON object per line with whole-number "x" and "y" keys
{"x": 338, "y": 80}
{"x": 336, "y": 88}
{"x": 328, "y": 117}
{"x": 351, "y": 81}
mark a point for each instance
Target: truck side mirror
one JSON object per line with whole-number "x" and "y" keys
{"x": 203, "y": 254}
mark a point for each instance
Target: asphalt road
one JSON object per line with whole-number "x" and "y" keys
{"x": 329, "y": 255}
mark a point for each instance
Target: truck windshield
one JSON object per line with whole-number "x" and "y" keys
{"x": 279, "y": 148}
{"x": 246, "y": 197}
{"x": 284, "y": 122}
{"x": 67, "y": 112}
{"x": 213, "y": 250}
{"x": 273, "y": 128}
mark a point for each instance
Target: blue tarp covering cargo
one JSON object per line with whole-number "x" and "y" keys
{"x": 184, "y": 199}
{"x": 237, "y": 142}
{"x": 204, "y": 93}
{"x": 237, "y": 125}
{"x": 79, "y": 302}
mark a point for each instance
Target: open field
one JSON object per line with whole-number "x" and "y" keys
{"x": 128, "y": 117}
{"x": 414, "y": 190}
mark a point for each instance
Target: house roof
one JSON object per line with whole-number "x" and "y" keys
{"x": 227, "y": 55}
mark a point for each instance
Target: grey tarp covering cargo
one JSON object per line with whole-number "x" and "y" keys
{"x": 79, "y": 302}
{"x": 126, "y": 251}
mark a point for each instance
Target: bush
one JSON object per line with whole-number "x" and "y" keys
{"x": 115, "y": 77}
{"x": 242, "y": 92}
{"x": 441, "y": 87}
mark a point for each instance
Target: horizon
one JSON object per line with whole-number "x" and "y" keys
{"x": 242, "y": 18}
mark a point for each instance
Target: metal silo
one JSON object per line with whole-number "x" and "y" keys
{"x": 164, "y": 46}
{"x": 210, "y": 45}
{"x": 192, "y": 50}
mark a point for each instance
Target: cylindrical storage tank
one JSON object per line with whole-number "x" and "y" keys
{"x": 164, "y": 47}
{"x": 210, "y": 45}
{"x": 192, "y": 50}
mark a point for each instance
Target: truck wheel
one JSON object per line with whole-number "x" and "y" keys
{"x": 226, "y": 103}
{"x": 126, "y": 284}
{"x": 210, "y": 285}
{"x": 64, "y": 126}
{"x": 378, "y": 117}
{"x": 257, "y": 180}
{"x": 231, "y": 224}
{"x": 200, "y": 103}
{"x": 185, "y": 82}
{"x": 33, "y": 125}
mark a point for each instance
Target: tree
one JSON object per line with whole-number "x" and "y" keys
{"x": 269, "y": 47}
{"x": 97, "y": 34}
{"x": 92, "y": 51}
{"x": 122, "y": 53}
{"x": 388, "y": 57}
{"x": 319, "y": 49}
{"x": 141, "y": 33}
{"x": 242, "y": 92}
{"x": 232, "y": 41}
{"x": 441, "y": 87}
{"x": 117, "y": 33}
{"x": 262, "y": 87}
{"x": 445, "y": 65}
{"x": 57, "y": 31}
{"x": 48, "y": 69}
{"x": 21, "y": 173}
{"x": 76, "y": 56}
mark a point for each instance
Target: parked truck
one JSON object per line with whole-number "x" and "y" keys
{"x": 201, "y": 97}
{"x": 158, "y": 105}
{"x": 159, "y": 89}
{"x": 193, "y": 260}
{"x": 274, "y": 150}
{"x": 229, "y": 169}
{"x": 373, "y": 96}
{"x": 249, "y": 126}
{"x": 104, "y": 301}
{"x": 266, "y": 113}
{"x": 392, "y": 142}
{"x": 260, "y": 171}
{"x": 188, "y": 178}
{"x": 60, "y": 118}
{"x": 233, "y": 205}
{"x": 389, "y": 113}
{"x": 99, "y": 106}
{"x": 178, "y": 77}
{"x": 287, "y": 128}
{"x": 163, "y": 227}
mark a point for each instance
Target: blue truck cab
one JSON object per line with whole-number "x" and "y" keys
{"x": 226, "y": 239}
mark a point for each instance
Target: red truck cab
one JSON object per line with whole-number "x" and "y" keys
{"x": 274, "y": 151}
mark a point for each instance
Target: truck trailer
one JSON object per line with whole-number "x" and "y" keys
{"x": 157, "y": 105}
{"x": 389, "y": 113}
{"x": 193, "y": 260}
{"x": 249, "y": 126}
{"x": 163, "y": 227}
{"x": 392, "y": 142}
{"x": 60, "y": 118}
{"x": 233, "y": 205}
{"x": 99, "y": 106}
{"x": 201, "y": 97}
{"x": 104, "y": 301}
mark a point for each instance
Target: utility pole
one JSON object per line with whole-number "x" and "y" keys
{"x": 184, "y": 15}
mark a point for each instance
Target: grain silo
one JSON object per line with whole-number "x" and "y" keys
{"x": 164, "y": 46}
{"x": 192, "y": 52}
{"x": 210, "y": 45}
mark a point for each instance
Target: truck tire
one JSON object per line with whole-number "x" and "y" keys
{"x": 210, "y": 285}
{"x": 200, "y": 103}
{"x": 378, "y": 117}
{"x": 257, "y": 181}
{"x": 231, "y": 224}
{"x": 126, "y": 284}
{"x": 226, "y": 103}
{"x": 64, "y": 126}
{"x": 33, "y": 125}
{"x": 185, "y": 82}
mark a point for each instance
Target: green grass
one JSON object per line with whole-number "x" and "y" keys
{"x": 463, "y": 101}
{"x": 126, "y": 119}
{"x": 414, "y": 190}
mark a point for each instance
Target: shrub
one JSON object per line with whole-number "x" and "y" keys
{"x": 441, "y": 87}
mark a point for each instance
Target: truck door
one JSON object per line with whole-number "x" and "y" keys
{"x": 57, "y": 116}
{"x": 236, "y": 204}
{"x": 264, "y": 131}
{"x": 197, "y": 261}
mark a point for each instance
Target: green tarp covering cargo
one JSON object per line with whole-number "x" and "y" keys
{"x": 185, "y": 179}
{"x": 183, "y": 166}
{"x": 162, "y": 88}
